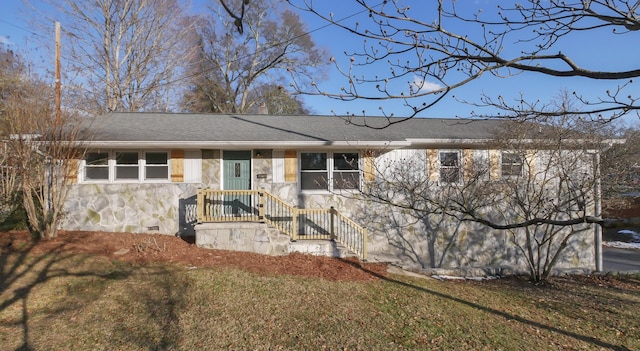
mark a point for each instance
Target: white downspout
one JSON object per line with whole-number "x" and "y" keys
{"x": 597, "y": 232}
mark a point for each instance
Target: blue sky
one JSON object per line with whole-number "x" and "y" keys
{"x": 593, "y": 48}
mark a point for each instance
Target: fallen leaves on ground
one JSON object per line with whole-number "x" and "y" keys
{"x": 158, "y": 248}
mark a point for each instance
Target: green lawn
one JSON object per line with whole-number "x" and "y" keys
{"x": 57, "y": 302}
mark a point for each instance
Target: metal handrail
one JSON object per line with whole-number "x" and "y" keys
{"x": 297, "y": 223}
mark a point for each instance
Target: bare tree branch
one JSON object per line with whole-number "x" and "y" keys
{"x": 417, "y": 56}
{"x": 237, "y": 20}
{"x": 532, "y": 182}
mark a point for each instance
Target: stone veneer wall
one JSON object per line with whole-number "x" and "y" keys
{"x": 435, "y": 243}
{"x": 262, "y": 169}
{"x": 394, "y": 236}
{"x": 136, "y": 208}
{"x": 211, "y": 168}
{"x": 439, "y": 242}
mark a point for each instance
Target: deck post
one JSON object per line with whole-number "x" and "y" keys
{"x": 294, "y": 224}
{"x": 364, "y": 244}
{"x": 200, "y": 205}
{"x": 261, "y": 203}
{"x": 332, "y": 213}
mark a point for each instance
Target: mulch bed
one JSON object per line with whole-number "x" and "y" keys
{"x": 155, "y": 248}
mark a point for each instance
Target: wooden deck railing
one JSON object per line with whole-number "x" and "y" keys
{"x": 298, "y": 223}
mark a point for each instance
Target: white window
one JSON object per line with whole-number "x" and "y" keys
{"x": 329, "y": 171}
{"x": 346, "y": 170}
{"x": 313, "y": 171}
{"x": 126, "y": 166}
{"x": 511, "y": 164}
{"x": 156, "y": 165}
{"x": 96, "y": 166}
{"x": 450, "y": 167}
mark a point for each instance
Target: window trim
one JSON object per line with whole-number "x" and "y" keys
{"x": 329, "y": 171}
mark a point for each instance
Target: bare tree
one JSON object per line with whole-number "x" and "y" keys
{"x": 538, "y": 184}
{"x": 276, "y": 100}
{"x": 419, "y": 227}
{"x": 420, "y": 56}
{"x": 550, "y": 194}
{"x": 38, "y": 154}
{"x": 235, "y": 74}
{"x": 12, "y": 72}
{"x": 124, "y": 55}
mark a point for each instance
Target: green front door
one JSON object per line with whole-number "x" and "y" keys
{"x": 236, "y": 170}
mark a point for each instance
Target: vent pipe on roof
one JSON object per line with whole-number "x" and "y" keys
{"x": 263, "y": 109}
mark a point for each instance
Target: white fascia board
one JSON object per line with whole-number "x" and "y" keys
{"x": 246, "y": 144}
{"x": 471, "y": 143}
{"x": 442, "y": 143}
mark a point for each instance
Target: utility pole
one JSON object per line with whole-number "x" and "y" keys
{"x": 58, "y": 83}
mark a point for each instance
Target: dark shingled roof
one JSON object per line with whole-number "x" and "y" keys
{"x": 203, "y": 128}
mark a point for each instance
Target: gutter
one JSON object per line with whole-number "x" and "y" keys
{"x": 462, "y": 143}
{"x": 246, "y": 144}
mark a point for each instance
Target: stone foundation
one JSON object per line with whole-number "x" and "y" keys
{"x": 248, "y": 237}
{"x": 320, "y": 248}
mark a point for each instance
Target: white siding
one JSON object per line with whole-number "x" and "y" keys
{"x": 277, "y": 158}
{"x": 481, "y": 163}
{"x": 403, "y": 164}
{"x": 192, "y": 166}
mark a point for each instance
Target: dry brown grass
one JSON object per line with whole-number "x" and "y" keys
{"x": 61, "y": 301}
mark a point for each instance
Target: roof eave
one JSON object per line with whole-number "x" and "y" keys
{"x": 476, "y": 143}
{"x": 246, "y": 144}
{"x": 439, "y": 143}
